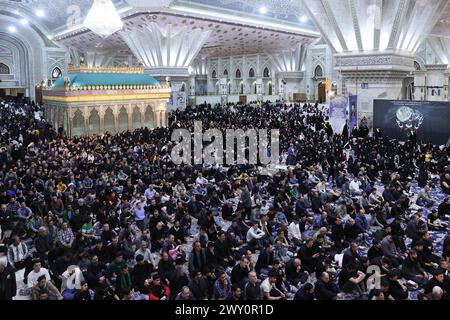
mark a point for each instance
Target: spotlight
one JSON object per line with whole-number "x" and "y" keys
{"x": 263, "y": 10}
{"x": 24, "y": 22}
{"x": 12, "y": 29}
{"x": 40, "y": 13}
{"x": 303, "y": 19}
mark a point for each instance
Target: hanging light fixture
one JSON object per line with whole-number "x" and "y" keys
{"x": 103, "y": 18}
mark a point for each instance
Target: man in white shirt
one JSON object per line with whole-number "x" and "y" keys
{"x": 269, "y": 288}
{"x": 254, "y": 234}
{"x": 146, "y": 253}
{"x": 355, "y": 187}
{"x": 149, "y": 193}
{"x": 295, "y": 235}
{"x": 201, "y": 180}
{"x": 374, "y": 198}
{"x": 37, "y": 271}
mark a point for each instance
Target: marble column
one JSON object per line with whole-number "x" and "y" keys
{"x": 70, "y": 116}
{"x": 101, "y": 113}
{"x": 130, "y": 116}
{"x": 158, "y": 119}
{"x": 116, "y": 111}
{"x": 86, "y": 114}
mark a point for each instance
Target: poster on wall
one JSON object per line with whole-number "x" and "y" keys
{"x": 352, "y": 113}
{"x": 429, "y": 119}
{"x": 178, "y": 100}
{"x": 338, "y": 113}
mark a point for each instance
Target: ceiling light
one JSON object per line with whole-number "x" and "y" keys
{"x": 96, "y": 21}
{"x": 303, "y": 19}
{"x": 263, "y": 10}
{"x": 24, "y": 21}
{"x": 40, "y": 13}
{"x": 12, "y": 29}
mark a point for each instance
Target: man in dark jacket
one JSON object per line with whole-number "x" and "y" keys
{"x": 197, "y": 258}
{"x": 8, "y": 287}
{"x": 325, "y": 289}
{"x": 96, "y": 273}
{"x": 265, "y": 260}
{"x": 239, "y": 273}
{"x": 396, "y": 290}
{"x": 43, "y": 244}
{"x": 305, "y": 293}
{"x": 438, "y": 280}
{"x": 411, "y": 268}
{"x": 223, "y": 251}
{"x": 351, "y": 255}
{"x": 252, "y": 289}
{"x": 295, "y": 273}
{"x": 308, "y": 254}
{"x": 199, "y": 286}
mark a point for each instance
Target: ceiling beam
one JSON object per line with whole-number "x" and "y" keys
{"x": 330, "y": 15}
{"x": 398, "y": 22}
{"x": 319, "y": 26}
{"x": 377, "y": 29}
{"x": 352, "y": 5}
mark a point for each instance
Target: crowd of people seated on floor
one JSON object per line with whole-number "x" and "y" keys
{"x": 110, "y": 217}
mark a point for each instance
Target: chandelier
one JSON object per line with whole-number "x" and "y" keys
{"x": 277, "y": 7}
{"x": 103, "y": 18}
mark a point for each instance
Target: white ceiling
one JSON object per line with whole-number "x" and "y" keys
{"x": 226, "y": 38}
{"x": 238, "y": 25}
{"x": 442, "y": 28}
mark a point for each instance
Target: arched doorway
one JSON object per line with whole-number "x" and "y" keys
{"x": 321, "y": 92}
{"x": 123, "y": 120}
{"x": 254, "y": 87}
{"x": 109, "y": 121}
{"x": 136, "y": 118}
{"x": 78, "y": 124}
{"x": 269, "y": 89}
{"x": 94, "y": 122}
{"x": 149, "y": 121}
{"x": 229, "y": 88}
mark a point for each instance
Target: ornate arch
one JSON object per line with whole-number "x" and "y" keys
{"x": 21, "y": 64}
{"x": 251, "y": 72}
{"x": 318, "y": 71}
{"x": 266, "y": 72}
{"x": 4, "y": 68}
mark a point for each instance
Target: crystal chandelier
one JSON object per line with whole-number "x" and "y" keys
{"x": 103, "y": 18}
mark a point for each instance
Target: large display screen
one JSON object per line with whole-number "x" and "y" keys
{"x": 397, "y": 118}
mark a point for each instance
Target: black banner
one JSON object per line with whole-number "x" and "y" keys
{"x": 429, "y": 119}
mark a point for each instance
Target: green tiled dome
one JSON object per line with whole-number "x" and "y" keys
{"x": 105, "y": 79}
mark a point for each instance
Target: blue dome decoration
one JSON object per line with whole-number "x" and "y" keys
{"x": 106, "y": 79}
